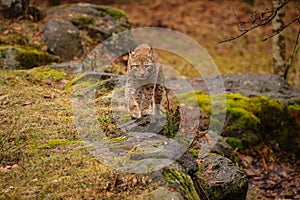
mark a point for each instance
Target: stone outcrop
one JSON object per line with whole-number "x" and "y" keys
{"x": 63, "y": 39}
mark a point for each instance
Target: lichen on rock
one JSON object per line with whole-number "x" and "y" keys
{"x": 20, "y": 57}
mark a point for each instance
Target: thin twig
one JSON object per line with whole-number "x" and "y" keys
{"x": 263, "y": 22}
{"x": 280, "y": 30}
{"x": 237, "y": 19}
{"x": 296, "y": 47}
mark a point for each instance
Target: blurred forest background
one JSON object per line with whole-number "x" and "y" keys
{"x": 209, "y": 22}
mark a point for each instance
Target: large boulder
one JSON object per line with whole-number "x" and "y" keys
{"x": 100, "y": 22}
{"x": 260, "y": 107}
{"x": 62, "y": 39}
{"x": 217, "y": 178}
{"x": 220, "y": 178}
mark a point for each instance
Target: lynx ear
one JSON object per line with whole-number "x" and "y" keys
{"x": 130, "y": 52}
{"x": 150, "y": 54}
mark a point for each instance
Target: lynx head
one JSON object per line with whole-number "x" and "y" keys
{"x": 141, "y": 62}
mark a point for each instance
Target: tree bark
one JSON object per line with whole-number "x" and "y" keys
{"x": 278, "y": 40}
{"x": 297, "y": 77}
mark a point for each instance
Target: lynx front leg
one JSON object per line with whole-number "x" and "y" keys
{"x": 158, "y": 94}
{"x": 133, "y": 102}
{"x": 134, "y": 108}
{"x": 146, "y": 100}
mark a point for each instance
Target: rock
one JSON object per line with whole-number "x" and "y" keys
{"x": 177, "y": 178}
{"x": 13, "y": 8}
{"x": 260, "y": 107}
{"x": 219, "y": 178}
{"x": 161, "y": 193}
{"x": 101, "y": 22}
{"x": 250, "y": 85}
{"x": 217, "y": 145}
{"x": 188, "y": 163}
{"x": 62, "y": 39}
{"x": 23, "y": 57}
{"x": 212, "y": 177}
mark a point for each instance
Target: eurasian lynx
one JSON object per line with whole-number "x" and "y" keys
{"x": 144, "y": 86}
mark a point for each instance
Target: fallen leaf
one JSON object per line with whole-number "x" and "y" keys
{"x": 48, "y": 82}
{"x": 48, "y": 96}
{"x": 134, "y": 181}
{"x": 209, "y": 166}
{"x": 45, "y": 48}
{"x": 15, "y": 166}
{"x": 6, "y": 32}
{"x": 26, "y": 103}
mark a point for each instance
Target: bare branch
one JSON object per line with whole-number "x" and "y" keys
{"x": 290, "y": 63}
{"x": 238, "y": 22}
{"x": 263, "y": 20}
{"x": 285, "y": 26}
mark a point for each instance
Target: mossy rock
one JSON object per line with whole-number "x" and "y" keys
{"x": 220, "y": 179}
{"x": 20, "y": 57}
{"x": 83, "y": 81}
{"x": 183, "y": 181}
{"x": 113, "y": 12}
{"x": 256, "y": 119}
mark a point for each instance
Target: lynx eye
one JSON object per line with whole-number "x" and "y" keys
{"x": 134, "y": 67}
{"x": 149, "y": 66}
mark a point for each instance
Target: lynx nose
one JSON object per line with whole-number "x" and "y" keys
{"x": 142, "y": 72}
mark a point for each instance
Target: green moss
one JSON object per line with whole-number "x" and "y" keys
{"x": 117, "y": 139}
{"x": 115, "y": 13}
{"x": 293, "y": 107}
{"x": 202, "y": 98}
{"x": 252, "y": 119}
{"x": 55, "y": 143}
{"x": 41, "y": 74}
{"x": 104, "y": 120}
{"x": 25, "y": 57}
{"x": 82, "y": 21}
{"x": 82, "y": 81}
{"x": 169, "y": 177}
{"x": 234, "y": 142}
{"x": 193, "y": 152}
{"x": 14, "y": 39}
{"x": 201, "y": 168}
{"x": 241, "y": 119}
{"x": 185, "y": 183}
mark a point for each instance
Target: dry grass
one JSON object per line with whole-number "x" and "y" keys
{"x": 42, "y": 155}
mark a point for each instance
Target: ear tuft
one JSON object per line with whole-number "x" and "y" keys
{"x": 150, "y": 54}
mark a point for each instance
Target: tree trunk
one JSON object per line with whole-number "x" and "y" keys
{"x": 278, "y": 40}
{"x": 297, "y": 77}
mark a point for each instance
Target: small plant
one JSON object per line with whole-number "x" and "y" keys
{"x": 172, "y": 123}
{"x": 234, "y": 142}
